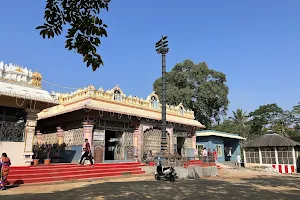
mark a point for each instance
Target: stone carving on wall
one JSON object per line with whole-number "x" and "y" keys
{"x": 29, "y": 138}
{"x": 152, "y": 141}
{"x": 74, "y": 137}
{"x": 12, "y": 131}
{"x": 188, "y": 144}
{"x": 50, "y": 138}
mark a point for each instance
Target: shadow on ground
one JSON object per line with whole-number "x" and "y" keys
{"x": 188, "y": 189}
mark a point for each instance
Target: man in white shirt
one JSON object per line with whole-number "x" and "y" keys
{"x": 204, "y": 155}
{"x": 238, "y": 161}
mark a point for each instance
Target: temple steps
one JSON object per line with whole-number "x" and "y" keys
{"x": 63, "y": 172}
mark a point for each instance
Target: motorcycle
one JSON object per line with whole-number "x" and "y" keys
{"x": 168, "y": 173}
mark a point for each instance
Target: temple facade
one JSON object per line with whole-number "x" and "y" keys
{"x": 119, "y": 127}
{"x": 21, "y": 98}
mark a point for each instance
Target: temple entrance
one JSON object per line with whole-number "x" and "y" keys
{"x": 112, "y": 140}
{"x": 180, "y": 143}
{"x": 110, "y": 145}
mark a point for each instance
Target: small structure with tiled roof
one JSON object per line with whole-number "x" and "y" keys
{"x": 272, "y": 150}
{"x": 227, "y": 145}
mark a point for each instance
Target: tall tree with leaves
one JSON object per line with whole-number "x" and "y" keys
{"x": 199, "y": 88}
{"x": 264, "y": 117}
{"x": 239, "y": 116}
{"x": 84, "y": 26}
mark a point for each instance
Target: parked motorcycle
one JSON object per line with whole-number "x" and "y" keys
{"x": 168, "y": 173}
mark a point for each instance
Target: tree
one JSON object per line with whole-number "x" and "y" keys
{"x": 199, "y": 88}
{"x": 85, "y": 28}
{"x": 239, "y": 116}
{"x": 237, "y": 124}
{"x": 263, "y": 117}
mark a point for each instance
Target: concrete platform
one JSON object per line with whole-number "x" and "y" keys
{"x": 191, "y": 172}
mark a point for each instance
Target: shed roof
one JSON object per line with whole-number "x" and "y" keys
{"x": 219, "y": 134}
{"x": 271, "y": 140}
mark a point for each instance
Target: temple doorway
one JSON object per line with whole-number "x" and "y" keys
{"x": 180, "y": 142}
{"x": 110, "y": 145}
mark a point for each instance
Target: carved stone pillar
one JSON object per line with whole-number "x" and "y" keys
{"x": 88, "y": 126}
{"x": 194, "y": 139}
{"x": 135, "y": 141}
{"x": 39, "y": 137}
{"x": 29, "y": 135}
{"x": 171, "y": 147}
{"x": 60, "y": 135}
{"x": 88, "y": 132}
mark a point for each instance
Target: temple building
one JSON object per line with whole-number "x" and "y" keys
{"x": 119, "y": 127}
{"x": 21, "y": 98}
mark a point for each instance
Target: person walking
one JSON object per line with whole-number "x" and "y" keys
{"x": 87, "y": 152}
{"x": 4, "y": 167}
{"x": 238, "y": 161}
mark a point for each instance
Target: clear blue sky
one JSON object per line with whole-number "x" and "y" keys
{"x": 255, "y": 43}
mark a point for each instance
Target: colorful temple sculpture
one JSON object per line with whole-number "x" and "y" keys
{"x": 119, "y": 127}
{"x": 21, "y": 98}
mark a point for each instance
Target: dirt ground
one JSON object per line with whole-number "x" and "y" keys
{"x": 230, "y": 184}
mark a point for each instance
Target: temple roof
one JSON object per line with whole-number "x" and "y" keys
{"x": 206, "y": 133}
{"x": 271, "y": 140}
{"x": 20, "y": 82}
{"x": 115, "y": 101}
{"x": 24, "y": 92}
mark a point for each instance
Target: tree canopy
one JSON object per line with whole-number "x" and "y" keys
{"x": 264, "y": 118}
{"x": 85, "y": 28}
{"x": 199, "y": 88}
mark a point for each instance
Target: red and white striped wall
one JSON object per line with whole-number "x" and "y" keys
{"x": 284, "y": 169}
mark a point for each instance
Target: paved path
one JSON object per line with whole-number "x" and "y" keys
{"x": 256, "y": 186}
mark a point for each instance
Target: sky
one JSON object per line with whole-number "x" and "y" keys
{"x": 255, "y": 43}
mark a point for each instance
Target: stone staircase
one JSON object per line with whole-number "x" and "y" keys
{"x": 64, "y": 172}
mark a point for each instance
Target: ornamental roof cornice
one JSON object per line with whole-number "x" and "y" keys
{"x": 111, "y": 96}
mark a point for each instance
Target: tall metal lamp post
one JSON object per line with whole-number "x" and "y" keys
{"x": 162, "y": 48}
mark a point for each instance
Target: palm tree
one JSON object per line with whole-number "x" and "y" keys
{"x": 239, "y": 117}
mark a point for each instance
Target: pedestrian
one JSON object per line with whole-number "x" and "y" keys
{"x": 4, "y": 169}
{"x": 204, "y": 155}
{"x": 238, "y": 161}
{"x": 87, "y": 152}
{"x": 215, "y": 156}
{"x": 229, "y": 154}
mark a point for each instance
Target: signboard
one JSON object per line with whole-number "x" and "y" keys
{"x": 99, "y": 135}
{"x": 130, "y": 153}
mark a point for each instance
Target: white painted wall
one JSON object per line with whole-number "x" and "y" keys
{"x": 15, "y": 151}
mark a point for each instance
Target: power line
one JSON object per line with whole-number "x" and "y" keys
{"x": 61, "y": 86}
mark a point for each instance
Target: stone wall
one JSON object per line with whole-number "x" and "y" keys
{"x": 191, "y": 172}
{"x": 73, "y": 137}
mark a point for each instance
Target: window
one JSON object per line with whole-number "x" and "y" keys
{"x": 117, "y": 95}
{"x": 153, "y": 102}
{"x": 200, "y": 148}
{"x": 268, "y": 155}
{"x": 252, "y": 155}
{"x": 285, "y": 155}
{"x": 219, "y": 150}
